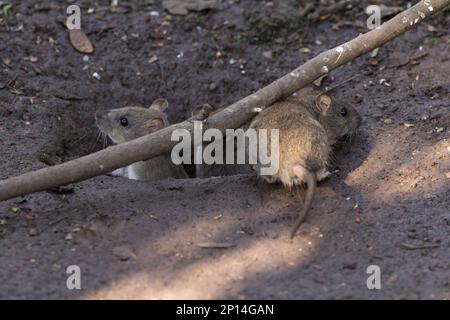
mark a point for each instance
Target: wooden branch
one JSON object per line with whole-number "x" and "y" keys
{"x": 235, "y": 115}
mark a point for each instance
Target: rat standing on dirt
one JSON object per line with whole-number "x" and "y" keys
{"x": 309, "y": 122}
{"x": 125, "y": 124}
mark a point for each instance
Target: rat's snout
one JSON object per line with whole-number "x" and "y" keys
{"x": 98, "y": 115}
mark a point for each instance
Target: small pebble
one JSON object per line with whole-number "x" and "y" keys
{"x": 96, "y": 76}
{"x": 14, "y": 210}
{"x": 305, "y": 50}
{"x": 359, "y": 98}
{"x": 212, "y": 87}
{"x": 56, "y": 267}
{"x": 33, "y": 232}
{"x": 268, "y": 54}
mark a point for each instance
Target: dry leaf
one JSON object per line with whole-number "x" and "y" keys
{"x": 80, "y": 41}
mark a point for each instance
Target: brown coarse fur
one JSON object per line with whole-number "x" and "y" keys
{"x": 303, "y": 140}
{"x": 309, "y": 123}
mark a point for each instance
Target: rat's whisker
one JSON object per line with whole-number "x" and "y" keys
{"x": 105, "y": 140}
{"x": 99, "y": 134}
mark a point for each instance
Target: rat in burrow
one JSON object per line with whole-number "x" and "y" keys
{"x": 128, "y": 123}
{"x": 309, "y": 123}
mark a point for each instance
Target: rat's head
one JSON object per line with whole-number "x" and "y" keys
{"x": 125, "y": 124}
{"x": 337, "y": 117}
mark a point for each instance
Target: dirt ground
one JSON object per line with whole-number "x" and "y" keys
{"x": 387, "y": 203}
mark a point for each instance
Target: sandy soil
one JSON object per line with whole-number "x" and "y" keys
{"x": 387, "y": 203}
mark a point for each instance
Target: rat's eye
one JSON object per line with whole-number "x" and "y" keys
{"x": 124, "y": 121}
{"x": 343, "y": 112}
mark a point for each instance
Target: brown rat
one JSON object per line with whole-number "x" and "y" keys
{"x": 128, "y": 123}
{"x": 309, "y": 122}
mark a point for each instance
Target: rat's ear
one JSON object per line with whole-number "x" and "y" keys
{"x": 323, "y": 103}
{"x": 153, "y": 125}
{"x": 159, "y": 105}
{"x": 201, "y": 112}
